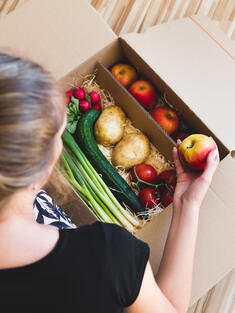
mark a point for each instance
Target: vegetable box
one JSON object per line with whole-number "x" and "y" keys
{"x": 190, "y": 61}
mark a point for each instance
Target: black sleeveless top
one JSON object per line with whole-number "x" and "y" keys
{"x": 93, "y": 268}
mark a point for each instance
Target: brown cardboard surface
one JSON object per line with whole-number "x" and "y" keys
{"x": 201, "y": 75}
{"x": 140, "y": 118}
{"x": 196, "y": 67}
{"x": 55, "y": 33}
{"x": 193, "y": 121}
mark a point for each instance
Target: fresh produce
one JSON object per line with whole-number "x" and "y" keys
{"x": 90, "y": 186}
{"x": 69, "y": 95}
{"x": 84, "y": 135}
{"x": 144, "y": 92}
{"x": 166, "y": 118}
{"x": 79, "y": 93}
{"x": 194, "y": 150}
{"x": 167, "y": 178}
{"x": 167, "y": 181}
{"x": 132, "y": 150}
{"x": 97, "y": 107}
{"x": 142, "y": 174}
{"x": 79, "y": 101}
{"x": 125, "y": 73}
{"x": 109, "y": 128}
{"x": 84, "y": 105}
{"x": 181, "y": 135}
{"x": 95, "y": 98}
{"x": 149, "y": 197}
{"x": 166, "y": 197}
{"x": 73, "y": 114}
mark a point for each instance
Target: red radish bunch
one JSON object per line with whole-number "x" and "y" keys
{"x": 86, "y": 101}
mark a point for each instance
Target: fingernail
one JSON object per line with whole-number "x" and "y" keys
{"x": 214, "y": 154}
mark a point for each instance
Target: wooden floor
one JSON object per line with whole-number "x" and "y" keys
{"x": 136, "y": 16}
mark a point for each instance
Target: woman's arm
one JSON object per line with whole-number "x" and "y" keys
{"x": 170, "y": 291}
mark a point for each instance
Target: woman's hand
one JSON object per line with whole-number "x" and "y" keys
{"x": 192, "y": 186}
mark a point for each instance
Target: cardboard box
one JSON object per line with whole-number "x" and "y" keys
{"x": 192, "y": 63}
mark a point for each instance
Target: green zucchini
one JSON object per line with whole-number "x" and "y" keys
{"x": 85, "y": 139}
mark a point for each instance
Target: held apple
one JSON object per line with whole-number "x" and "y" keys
{"x": 125, "y": 73}
{"x": 166, "y": 118}
{"x": 145, "y": 93}
{"x": 194, "y": 150}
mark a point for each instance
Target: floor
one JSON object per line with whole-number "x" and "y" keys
{"x": 136, "y": 16}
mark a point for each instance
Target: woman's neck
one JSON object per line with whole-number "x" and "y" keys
{"x": 19, "y": 206}
{"x": 25, "y": 241}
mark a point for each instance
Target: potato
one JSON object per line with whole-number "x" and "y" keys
{"x": 133, "y": 149}
{"x": 109, "y": 128}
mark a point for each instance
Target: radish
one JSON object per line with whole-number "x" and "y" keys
{"x": 97, "y": 107}
{"x": 84, "y": 105}
{"x": 95, "y": 98}
{"x": 79, "y": 93}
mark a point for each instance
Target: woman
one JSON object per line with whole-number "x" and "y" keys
{"x": 95, "y": 268}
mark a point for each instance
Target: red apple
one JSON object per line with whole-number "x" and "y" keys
{"x": 166, "y": 118}
{"x": 145, "y": 93}
{"x": 79, "y": 93}
{"x": 125, "y": 73}
{"x": 95, "y": 98}
{"x": 181, "y": 135}
{"x": 84, "y": 105}
{"x": 194, "y": 150}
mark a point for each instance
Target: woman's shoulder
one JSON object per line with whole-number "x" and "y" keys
{"x": 98, "y": 232}
{"x": 109, "y": 240}
{"x": 101, "y": 232}
{"x": 111, "y": 255}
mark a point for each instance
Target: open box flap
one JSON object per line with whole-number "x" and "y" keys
{"x": 215, "y": 248}
{"x": 56, "y": 33}
{"x": 195, "y": 58}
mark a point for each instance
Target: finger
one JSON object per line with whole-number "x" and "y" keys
{"x": 212, "y": 162}
{"x": 178, "y": 142}
{"x": 178, "y": 165}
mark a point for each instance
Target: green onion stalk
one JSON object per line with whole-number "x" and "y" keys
{"x": 92, "y": 188}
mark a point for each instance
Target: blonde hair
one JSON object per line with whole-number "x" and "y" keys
{"x": 31, "y": 114}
